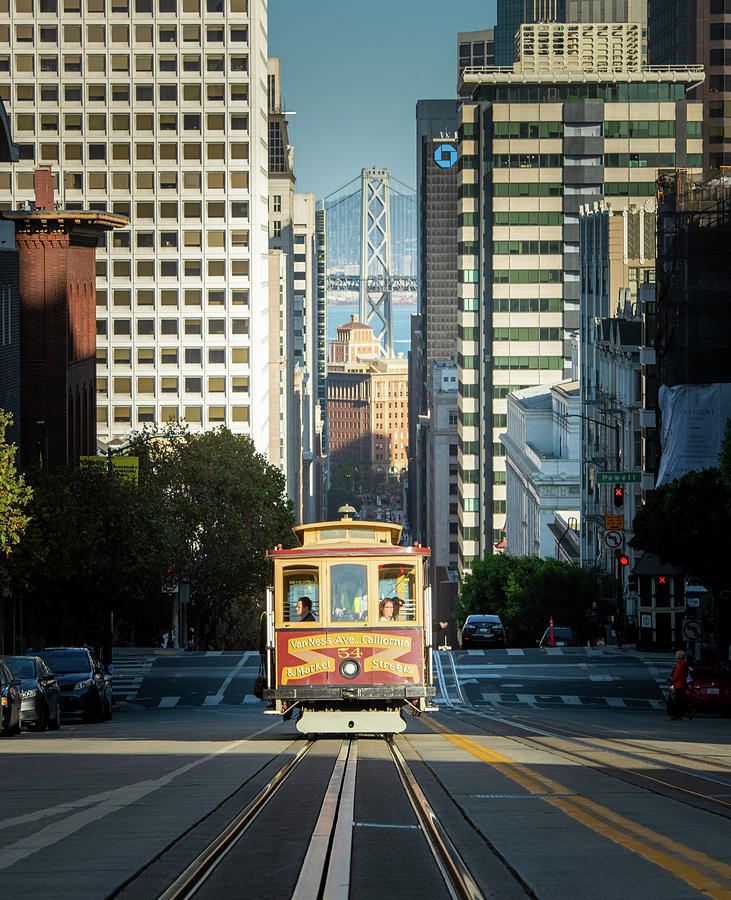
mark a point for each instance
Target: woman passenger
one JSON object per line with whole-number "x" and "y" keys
{"x": 388, "y": 609}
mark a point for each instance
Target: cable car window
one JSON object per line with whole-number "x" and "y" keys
{"x": 397, "y": 583}
{"x": 348, "y": 593}
{"x": 333, "y": 534}
{"x": 298, "y": 584}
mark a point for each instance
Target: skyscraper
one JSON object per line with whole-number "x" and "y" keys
{"x": 475, "y": 48}
{"x": 578, "y": 118}
{"x": 157, "y": 110}
{"x": 511, "y": 14}
{"x": 699, "y": 32}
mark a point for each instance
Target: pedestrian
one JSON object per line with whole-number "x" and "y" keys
{"x": 677, "y": 700}
{"x": 593, "y": 623}
{"x": 620, "y": 626}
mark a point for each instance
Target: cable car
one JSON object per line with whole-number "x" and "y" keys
{"x": 349, "y": 628}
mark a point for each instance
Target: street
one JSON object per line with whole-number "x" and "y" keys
{"x": 553, "y": 773}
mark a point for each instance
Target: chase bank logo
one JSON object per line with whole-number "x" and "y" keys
{"x": 445, "y": 156}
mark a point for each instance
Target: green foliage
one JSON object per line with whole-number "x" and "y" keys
{"x": 14, "y": 494}
{"x": 687, "y": 523}
{"x": 91, "y": 548}
{"x": 525, "y": 591}
{"x": 221, "y": 506}
{"x": 725, "y": 459}
{"x": 206, "y": 505}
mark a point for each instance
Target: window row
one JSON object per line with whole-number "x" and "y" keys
{"x": 192, "y": 356}
{"x": 528, "y": 189}
{"x": 173, "y": 327}
{"x": 120, "y": 122}
{"x": 630, "y": 189}
{"x": 171, "y": 384}
{"x": 122, "y": 415}
{"x": 120, "y": 34}
{"x": 168, "y": 268}
{"x": 527, "y": 130}
{"x": 144, "y": 153}
{"x": 531, "y": 247}
{"x": 527, "y": 305}
{"x": 144, "y": 180}
{"x": 527, "y": 217}
{"x": 528, "y": 276}
{"x": 652, "y": 128}
{"x": 527, "y": 334}
{"x": 528, "y": 362}
{"x": 526, "y": 161}
{"x": 124, "y": 7}
{"x": 121, "y": 297}
{"x": 120, "y": 93}
{"x": 577, "y": 92}
{"x": 97, "y": 64}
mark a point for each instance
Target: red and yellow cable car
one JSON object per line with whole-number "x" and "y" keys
{"x": 349, "y": 628}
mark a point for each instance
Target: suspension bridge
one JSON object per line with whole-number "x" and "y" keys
{"x": 376, "y": 278}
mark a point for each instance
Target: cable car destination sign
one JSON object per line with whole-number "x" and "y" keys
{"x": 612, "y": 477}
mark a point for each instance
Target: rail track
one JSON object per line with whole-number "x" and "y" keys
{"x": 326, "y": 864}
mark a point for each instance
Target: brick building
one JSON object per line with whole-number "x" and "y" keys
{"x": 9, "y": 301}
{"x": 367, "y": 401}
{"x": 57, "y": 285}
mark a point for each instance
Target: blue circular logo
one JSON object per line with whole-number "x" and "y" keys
{"x": 445, "y": 156}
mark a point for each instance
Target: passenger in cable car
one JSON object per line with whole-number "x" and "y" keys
{"x": 304, "y": 610}
{"x": 388, "y": 609}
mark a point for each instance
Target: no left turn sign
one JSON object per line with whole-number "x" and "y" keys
{"x": 613, "y": 539}
{"x": 692, "y": 629}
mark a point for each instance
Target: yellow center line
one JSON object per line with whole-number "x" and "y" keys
{"x": 591, "y": 814}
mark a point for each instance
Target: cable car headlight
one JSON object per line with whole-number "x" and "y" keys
{"x": 350, "y": 668}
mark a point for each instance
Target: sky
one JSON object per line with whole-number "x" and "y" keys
{"x": 353, "y": 72}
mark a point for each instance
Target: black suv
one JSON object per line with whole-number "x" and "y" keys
{"x": 483, "y": 631}
{"x": 84, "y": 689}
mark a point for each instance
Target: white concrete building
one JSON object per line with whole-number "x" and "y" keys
{"x": 441, "y": 515}
{"x": 157, "y": 110}
{"x": 542, "y": 463}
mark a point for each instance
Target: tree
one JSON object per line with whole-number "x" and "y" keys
{"x": 687, "y": 524}
{"x": 525, "y": 591}
{"x": 14, "y": 493}
{"x": 14, "y": 497}
{"x": 93, "y": 549}
{"x": 224, "y": 506}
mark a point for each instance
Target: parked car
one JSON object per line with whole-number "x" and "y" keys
{"x": 10, "y": 700}
{"x": 84, "y": 689}
{"x": 39, "y": 692}
{"x": 483, "y": 631}
{"x": 562, "y": 637}
{"x": 710, "y": 688}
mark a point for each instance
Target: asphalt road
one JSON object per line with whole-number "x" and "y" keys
{"x": 546, "y": 798}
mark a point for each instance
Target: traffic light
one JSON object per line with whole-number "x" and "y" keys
{"x": 619, "y": 495}
{"x": 621, "y": 558}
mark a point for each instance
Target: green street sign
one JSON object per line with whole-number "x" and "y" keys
{"x": 612, "y": 477}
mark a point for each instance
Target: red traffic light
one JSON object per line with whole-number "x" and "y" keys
{"x": 621, "y": 558}
{"x": 619, "y": 495}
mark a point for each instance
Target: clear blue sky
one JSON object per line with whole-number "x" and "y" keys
{"x": 353, "y": 72}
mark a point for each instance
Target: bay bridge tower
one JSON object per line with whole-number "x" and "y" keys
{"x": 375, "y": 255}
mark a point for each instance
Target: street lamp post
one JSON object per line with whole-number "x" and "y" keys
{"x": 615, "y": 424}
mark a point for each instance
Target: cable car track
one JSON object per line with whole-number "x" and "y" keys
{"x": 587, "y": 750}
{"x": 325, "y": 871}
